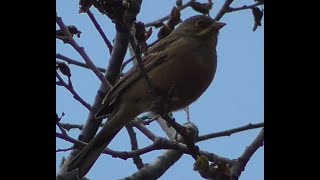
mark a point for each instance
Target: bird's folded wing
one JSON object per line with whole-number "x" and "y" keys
{"x": 155, "y": 56}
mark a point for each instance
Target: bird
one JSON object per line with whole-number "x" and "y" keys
{"x": 180, "y": 66}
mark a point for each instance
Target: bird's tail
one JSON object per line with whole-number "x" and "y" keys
{"x": 88, "y": 156}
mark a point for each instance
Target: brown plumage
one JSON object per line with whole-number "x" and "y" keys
{"x": 181, "y": 67}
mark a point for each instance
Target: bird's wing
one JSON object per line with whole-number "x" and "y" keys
{"x": 155, "y": 56}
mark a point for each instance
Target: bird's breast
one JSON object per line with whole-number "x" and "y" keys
{"x": 185, "y": 77}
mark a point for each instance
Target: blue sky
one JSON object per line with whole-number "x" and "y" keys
{"x": 235, "y": 98}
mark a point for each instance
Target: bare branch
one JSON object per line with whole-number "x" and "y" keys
{"x": 118, "y": 52}
{"x": 157, "y": 168}
{"x": 227, "y": 9}
{"x": 64, "y": 150}
{"x": 244, "y": 7}
{"x": 223, "y": 9}
{"x": 240, "y": 163}
{"x": 69, "y": 139}
{"x": 81, "y": 51}
{"x": 159, "y": 144}
{"x": 141, "y": 66}
{"x": 68, "y": 126}
{"x": 81, "y": 143}
{"x": 138, "y": 124}
{"x": 96, "y": 24}
{"x": 72, "y": 91}
{"x": 162, "y": 163}
{"x": 154, "y": 23}
{"x": 117, "y": 56}
{"x": 127, "y": 62}
{"x": 134, "y": 146}
{"x": 230, "y": 131}
{"x": 77, "y": 63}
{"x": 60, "y": 127}
{"x": 188, "y": 138}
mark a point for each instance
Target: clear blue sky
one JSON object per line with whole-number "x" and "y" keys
{"x": 235, "y": 98}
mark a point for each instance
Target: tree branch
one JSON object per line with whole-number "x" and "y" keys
{"x": 240, "y": 163}
{"x": 118, "y": 52}
{"x": 77, "y": 63}
{"x": 223, "y": 9}
{"x": 159, "y": 144}
{"x": 154, "y": 23}
{"x": 188, "y": 137}
{"x": 230, "y": 131}
{"x": 96, "y": 24}
{"x": 143, "y": 70}
{"x": 68, "y": 126}
{"x": 69, "y": 39}
{"x": 60, "y": 127}
{"x": 134, "y": 146}
{"x": 72, "y": 91}
{"x": 157, "y": 168}
{"x": 138, "y": 124}
{"x": 64, "y": 150}
{"x": 244, "y": 7}
{"x": 125, "y": 63}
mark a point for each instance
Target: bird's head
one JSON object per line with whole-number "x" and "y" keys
{"x": 199, "y": 26}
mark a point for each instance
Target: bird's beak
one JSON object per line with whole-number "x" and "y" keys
{"x": 218, "y": 25}
{"x": 214, "y": 27}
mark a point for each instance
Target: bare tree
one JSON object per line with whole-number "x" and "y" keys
{"x": 132, "y": 35}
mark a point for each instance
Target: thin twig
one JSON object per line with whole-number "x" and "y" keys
{"x": 69, "y": 139}
{"x": 141, "y": 66}
{"x": 134, "y": 146}
{"x": 104, "y": 37}
{"x": 230, "y": 131}
{"x": 158, "y": 144}
{"x": 60, "y": 127}
{"x": 173, "y": 147}
{"x": 68, "y": 126}
{"x": 64, "y": 150}
{"x": 77, "y": 63}
{"x": 153, "y": 23}
{"x": 165, "y": 144}
{"x": 117, "y": 56}
{"x": 72, "y": 91}
{"x": 125, "y": 63}
{"x": 244, "y": 7}
{"x": 81, "y": 51}
{"x": 138, "y": 124}
{"x": 223, "y": 9}
{"x": 241, "y": 162}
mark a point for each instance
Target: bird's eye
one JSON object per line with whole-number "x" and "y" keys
{"x": 200, "y": 23}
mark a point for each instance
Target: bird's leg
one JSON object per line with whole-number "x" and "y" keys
{"x": 161, "y": 105}
{"x": 183, "y": 131}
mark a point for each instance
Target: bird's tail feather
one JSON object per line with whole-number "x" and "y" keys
{"x": 88, "y": 156}
{"x": 104, "y": 111}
